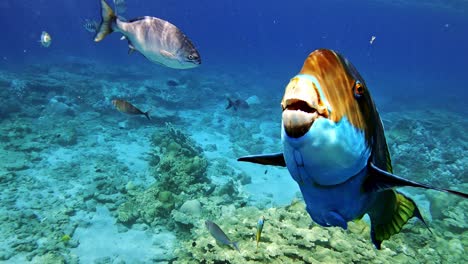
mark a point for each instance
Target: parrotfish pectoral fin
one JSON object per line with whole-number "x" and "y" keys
{"x": 390, "y": 213}
{"x": 276, "y": 159}
{"x": 383, "y": 180}
{"x": 147, "y": 114}
{"x": 234, "y": 244}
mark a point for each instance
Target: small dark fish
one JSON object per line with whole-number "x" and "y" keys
{"x": 172, "y": 83}
{"x": 237, "y": 104}
{"x": 219, "y": 235}
{"x": 266, "y": 171}
{"x": 128, "y": 108}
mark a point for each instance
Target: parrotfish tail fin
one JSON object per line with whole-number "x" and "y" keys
{"x": 147, "y": 114}
{"x": 275, "y": 159}
{"x": 234, "y": 244}
{"x": 383, "y": 180}
{"x": 108, "y": 19}
{"x": 390, "y": 213}
{"x": 230, "y": 103}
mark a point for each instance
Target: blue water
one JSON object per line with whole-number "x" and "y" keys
{"x": 415, "y": 44}
{"x": 63, "y": 144}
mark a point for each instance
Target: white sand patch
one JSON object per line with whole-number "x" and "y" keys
{"x": 275, "y": 187}
{"x": 60, "y": 155}
{"x": 101, "y": 239}
{"x": 132, "y": 154}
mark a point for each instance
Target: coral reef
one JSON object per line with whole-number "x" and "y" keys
{"x": 441, "y": 158}
{"x": 290, "y": 236}
{"x": 246, "y": 139}
{"x": 65, "y": 156}
{"x": 180, "y": 170}
{"x": 182, "y": 166}
{"x": 182, "y": 194}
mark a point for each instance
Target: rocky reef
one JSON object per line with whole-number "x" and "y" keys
{"x": 65, "y": 156}
{"x": 425, "y": 148}
{"x": 290, "y": 236}
{"x": 180, "y": 195}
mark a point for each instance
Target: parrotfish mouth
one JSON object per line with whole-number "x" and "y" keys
{"x": 299, "y": 116}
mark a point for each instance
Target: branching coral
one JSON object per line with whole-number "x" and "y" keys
{"x": 180, "y": 171}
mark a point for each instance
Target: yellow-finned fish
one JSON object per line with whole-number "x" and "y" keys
{"x": 158, "y": 40}
{"x": 334, "y": 147}
{"x": 45, "y": 40}
{"x": 127, "y": 108}
{"x": 260, "y": 224}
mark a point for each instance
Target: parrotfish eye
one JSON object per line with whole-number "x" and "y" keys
{"x": 358, "y": 89}
{"x": 190, "y": 57}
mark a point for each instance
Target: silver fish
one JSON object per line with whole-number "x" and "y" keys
{"x": 45, "y": 40}
{"x": 158, "y": 40}
{"x": 219, "y": 235}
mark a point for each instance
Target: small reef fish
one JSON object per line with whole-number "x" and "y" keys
{"x": 45, "y": 40}
{"x": 126, "y": 107}
{"x": 91, "y": 25}
{"x": 260, "y": 224}
{"x": 371, "y": 41}
{"x": 158, "y": 40}
{"x": 219, "y": 235}
{"x": 334, "y": 147}
{"x": 237, "y": 104}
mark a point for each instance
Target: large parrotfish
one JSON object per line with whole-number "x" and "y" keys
{"x": 335, "y": 149}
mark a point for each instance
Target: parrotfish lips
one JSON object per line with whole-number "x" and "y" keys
{"x": 298, "y": 117}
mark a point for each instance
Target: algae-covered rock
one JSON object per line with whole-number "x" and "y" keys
{"x": 181, "y": 165}
{"x": 50, "y": 258}
{"x": 165, "y": 196}
{"x": 191, "y": 207}
{"x": 67, "y": 137}
{"x": 127, "y": 213}
{"x": 290, "y": 236}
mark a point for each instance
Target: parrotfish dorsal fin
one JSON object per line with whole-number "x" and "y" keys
{"x": 383, "y": 180}
{"x": 390, "y": 213}
{"x": 276, "y": 159}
